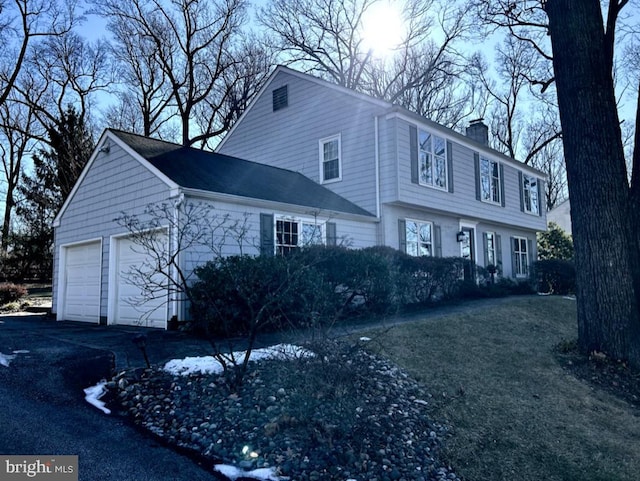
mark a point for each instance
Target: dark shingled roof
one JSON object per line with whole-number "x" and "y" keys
{"x": 209, "y": 171}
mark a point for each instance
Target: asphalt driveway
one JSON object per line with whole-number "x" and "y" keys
{"x": 43, "y": 411}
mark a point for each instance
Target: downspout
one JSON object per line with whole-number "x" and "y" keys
{"x": 174, "y": 309}
{"x": 377, "y": 162}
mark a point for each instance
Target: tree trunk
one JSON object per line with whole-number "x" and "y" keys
{"x": 606, "y": 256}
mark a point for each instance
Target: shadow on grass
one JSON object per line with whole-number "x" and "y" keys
{"x": 517, "y": 414}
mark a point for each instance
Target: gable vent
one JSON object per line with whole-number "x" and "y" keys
{"x": 280, "y": 98}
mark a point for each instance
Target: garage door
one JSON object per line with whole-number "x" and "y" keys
{"x": 132, "y": 306}
{"x": 81, "y": 298}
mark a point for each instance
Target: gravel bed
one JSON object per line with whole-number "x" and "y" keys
{"x": 342, "y": 414}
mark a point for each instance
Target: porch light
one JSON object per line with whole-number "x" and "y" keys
{"x": 460, "y": 236}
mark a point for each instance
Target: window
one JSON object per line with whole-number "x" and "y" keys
{"x": 432, "y": 160}
{"x": 520, "y": 257}
{"x": 490, "y": 249}
{"x": 292, "y": 234}
{"x": 490, "y": 181}
{"x": 330, "y": 159}
{"x": 419, "y": 238}
{"x": 530, "y": 194}
{"x": 280, "y": 98}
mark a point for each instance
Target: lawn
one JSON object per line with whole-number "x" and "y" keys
{"x": 516, "y": 413}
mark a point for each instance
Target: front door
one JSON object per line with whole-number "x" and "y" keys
{"x": 467, "y": 252}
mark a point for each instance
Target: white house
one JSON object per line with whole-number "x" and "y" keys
{"x": 321, "y": 160}
{"x": 425, "y": 183}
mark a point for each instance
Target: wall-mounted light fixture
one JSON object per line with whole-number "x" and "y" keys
{"x": 461, "y": 236}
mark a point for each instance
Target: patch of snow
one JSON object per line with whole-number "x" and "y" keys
{"x": 544, "y": 293}
{"x": 5, "y": 359}
{"x": 21, "y": 351}
{"x": 211, "y": 365}
{"x": 570, "y": 298}
{"x": 365, "y": 339}
{"x": 93, "y": 395}
{"x": 233, "y": 473}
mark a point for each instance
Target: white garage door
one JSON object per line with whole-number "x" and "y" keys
{"x": 133, "y": 305}
{"x": 81, "y": 298}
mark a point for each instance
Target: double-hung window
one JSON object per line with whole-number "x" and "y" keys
{"x": 520, "y": 257}
{"x": 330, "y": 162}
{"x": 490, "y": 249}
{"x": 530, "y": 201}
{"x": 490, "y": 181}
{"x": 292, "y": 234}
{"x": 419, "y": 238}
{"x": 432, "y": 157}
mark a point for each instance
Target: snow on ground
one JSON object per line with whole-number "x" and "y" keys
{"x": 93, "y": 395}
{"x": 211, "y": 365}
{"x": 233, "y": 473}
{"x": 5, "y": 359}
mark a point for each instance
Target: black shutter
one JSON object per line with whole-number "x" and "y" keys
{"x": 437, "y": 240}
{"x": 332, "y": 238}
{"x": 267, "y": 241}
{"x": 402, "y": 235}
{"x": 413, "y": 152}
{"x": 542, "y": 204}
{"x": 476, "y": 165}
{"x": 521, "y": 189}
{"x": 502, "y": 199}
{"x": 499, "y": 252}
{"x": 450, "y": 166}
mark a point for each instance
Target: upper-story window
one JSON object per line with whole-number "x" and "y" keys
{"x": 530, "y": 200}
{"x": 432, "y": 160}
{"x": 330, "y": 159}
{"x": 490, "y": 181}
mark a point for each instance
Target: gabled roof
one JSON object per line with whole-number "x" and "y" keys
{"x": 196, "y": 169}
{"x": 391, "y": 108}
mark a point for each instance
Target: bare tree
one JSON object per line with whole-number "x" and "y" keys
{"x": 197, "y": 52}
{"x": 328, "y": 38}
{"x": 21, "y": 23}
{"x": 16, "y": 124}
{"x": 604, "y": 204}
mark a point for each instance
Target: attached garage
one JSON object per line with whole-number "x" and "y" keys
{"x": 129, "y": 303}
{"x": 81, "y": 269}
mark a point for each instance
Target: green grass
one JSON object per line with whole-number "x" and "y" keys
{"x": 516, "y": 414}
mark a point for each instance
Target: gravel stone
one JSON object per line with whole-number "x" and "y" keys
{"x": 342, "y": 414}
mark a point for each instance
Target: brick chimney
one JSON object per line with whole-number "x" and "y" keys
{"x": 478, "y": 131}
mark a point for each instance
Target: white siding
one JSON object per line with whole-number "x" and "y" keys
{"x": 115, "y": 183}
{"x": 462, "y": 202}
{"x": 288, "y": 138}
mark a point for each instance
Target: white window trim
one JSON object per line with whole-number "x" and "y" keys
{"x": 500, "y": 193}
{"x": 446, "y": 163}
{"x": 300, "y": 221}
{"x": 406, "y": 239}
{"x": 321, "y": 143}
{"x": 520, "y": 275}
{"x": 524, "y": 203}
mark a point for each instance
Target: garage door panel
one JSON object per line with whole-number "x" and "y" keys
{"x": 132, "y": 306}
{"x": 82, "y": 283}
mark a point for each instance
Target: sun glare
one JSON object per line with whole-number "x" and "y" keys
{"x": 382, "y": 28}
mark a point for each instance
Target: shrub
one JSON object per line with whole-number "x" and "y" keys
{"x": 239, "y": 295}
{"x": 10, "y": 292}
{"x": 555, "y": 244}
{"x": 556, "y": 276}
{"x": 426, "y": 280}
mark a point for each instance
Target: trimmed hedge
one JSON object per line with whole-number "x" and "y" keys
{"x": 556, "y": 276}
{"x": 319, "y": 285}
